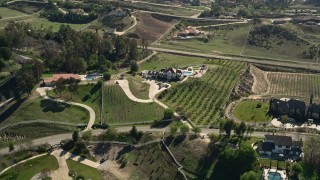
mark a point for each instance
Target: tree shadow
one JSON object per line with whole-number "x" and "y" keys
{"x": 102, "y": 148}
{"x": 179, "y": 139}
{"x": 206, "y": 161}
{"x": 53, "y": 106}
{"x": 7, "y": 113}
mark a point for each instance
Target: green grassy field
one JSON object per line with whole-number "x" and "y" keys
{"x": 266, "y": 162}
{"x": 249, "y": 111}
{"x": 118, "y": 108}
{"x": 40, "y": 109}
{"x": 232, "y": 39}
{"x": 6, "y": 12}
{"x": 87, "y": 94}
{"x": 137, "y": 87}
{"x": 26, "y": 132}
{"x": 30, "y": 168}
{"x": 203, "y": 99}
{"x": 168, "y": 60}
{"x": 83, "y": 170}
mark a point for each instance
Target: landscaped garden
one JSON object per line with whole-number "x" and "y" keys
{"x": 202, "y": 99}
{"x": 118, "y": 108}
{"x": 37, "y": 108}
{"x": 30, "y": 168}
{"x": 252, "y": 111}
{"x": 82, "y": 170}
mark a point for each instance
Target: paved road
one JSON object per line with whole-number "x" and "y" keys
{"x": 284, "y": 63}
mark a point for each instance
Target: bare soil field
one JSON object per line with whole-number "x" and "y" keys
{"x": 151, "y": 28}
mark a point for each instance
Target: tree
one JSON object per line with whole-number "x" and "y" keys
{"x": 87, "y": 135}
{"x": 73, "y": 85}
{"x": 311, "y": 151}
{"x": 168, "y": 113}
{"x": 37, "y": 68}
{"x": 228, "y": 126}
{"x": 25, "y": 81}
{"x": 11, "y": 147}
{"x": 296, "y": 169}
{"x": 251, "y": 175}
{"x": 60, "y": 85}
{"x": 184, "y": 129}
{"x": 196, "y": 130}
{"x": 173, "y": 129}
{"x": 134, "y": 67}
{"x": 241, "y": 129}
{"x": 75, "y": 136}
{"x": 120, "y": 47}
{"x": 133, "y": 51}
{"x": 106, "y": 76}
{"x": 133, "y": 132}
{"x": 214, "y": 138}
{"x": 2, "y": 64}
{"x": 5, "y": 53}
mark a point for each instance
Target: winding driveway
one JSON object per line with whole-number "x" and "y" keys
{"x": 43, "y": 93}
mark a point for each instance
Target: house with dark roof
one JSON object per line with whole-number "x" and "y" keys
{"x": 171, "y": 74}
{"x": 294, "y": 108}
{"x": 278, "y": 144}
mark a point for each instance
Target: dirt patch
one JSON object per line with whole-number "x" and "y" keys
{"x": 244, "y": 88}
{"x": 106, "y": 151}
{"x": 151, "y": 28}
{"x": 260, "y": 84}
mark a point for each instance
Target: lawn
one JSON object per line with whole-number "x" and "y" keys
{"x": 40, "y": 109}
{"x": 87, "y": 94}
{"x": 203, "y": 99}
{"x": 163, "y": 60}
{"x": 266, "y": 162}
{"x": 83, "y": 170}
{"x": 118, "y": 108}
{"x": 137, "y": 87}
{"x": 30, "y": 168}
{"x": 250, "y": 111}
{"x": 6, "y": 12}
{"x": 26, "y": 132}
{"x": 47, "y": 75}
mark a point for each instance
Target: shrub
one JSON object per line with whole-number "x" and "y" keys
{"x": 106, "y": 76}
{"x": 168, "y": 113}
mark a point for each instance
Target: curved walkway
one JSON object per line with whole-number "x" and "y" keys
{"x": 43, "y": 92}
{"x": 125, "y": 31}
{"x": 124, "y": 84}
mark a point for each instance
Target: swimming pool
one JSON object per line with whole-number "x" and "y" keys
{"x": 92, "y": 76}
{"x": 274, "y": 176}
{"x": 187, "y": 73}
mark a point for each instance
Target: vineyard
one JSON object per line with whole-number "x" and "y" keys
{"x": 202, "y": 100}
{"x": 294, "y": 84}
{"x": 118, "y": 108}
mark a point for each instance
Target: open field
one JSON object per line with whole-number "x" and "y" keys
{"x": 203, "y": 99}
{"x": 137, "y": 87}
{"x": 87, "y": 94}
{"x": 106, "y": 23}
{"x": 40, "y": 109}
{"x": 30, "y": 168}
{"x": 6, "y": 12}
{"x": 27, "y": 7}
{"x": 150, "y": 161}
{"x": 83, "y": 170}
{"x": 150, "y": 26}
{"x": 232, "y": 39}
{"x": 250, "y": 111}
{"x": 294, "y": 84}
{"x": 118, "y": 108}
{"x": 25, "y": 133}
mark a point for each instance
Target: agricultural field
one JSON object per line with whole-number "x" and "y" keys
{"x": 252, "y": 111}
{"x": 294, "y": 84}
{"x": 118, "y": 108}
{"x": 24, "y": 133}
{"x": 150, "y": 161}
{"x": 6, "y": 13}
{"x": 89, "y": 94}
{"x": 150, "y": 26}
{"x": 235, "y": 40}
{"x": 138, "y": 88}
{"x": 83, "y": 170}
{"x": 30, "y": 168}
{"x": 37, "y": 108}
{"x": 203, "y": 99}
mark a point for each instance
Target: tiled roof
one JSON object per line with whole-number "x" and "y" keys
{"x": 279, "y": 140}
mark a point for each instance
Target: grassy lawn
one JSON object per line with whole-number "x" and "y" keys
{"x": 250, "y": 112}
{"x": 26, "y": 131}
{"x": 47, "y": 75}
{"x": 252, "y": 140}
{"x": 202, "y": 99}
{"x": 6, "y": 12}
{"x": 169, "y": 60}
{"x": 40, "y": 109}
{"x": 83, "y": 170}
{"x": 266, "y": 162}
{"x": 137, "y": 87}
{"x": 118, "y": 108}
{"x": 30, "y": 168}
{"x": 87, "y": 94}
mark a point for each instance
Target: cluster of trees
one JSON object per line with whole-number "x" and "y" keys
{"x": 226, "y": 126}
{"x": 313, "y": 52}
{"x": 5, "y": 52}
{"x": 112, "y": 135}
{"x": 70, "y": 84}
{"x": 260, "y": 36}
{"x": 87, "y": 7}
